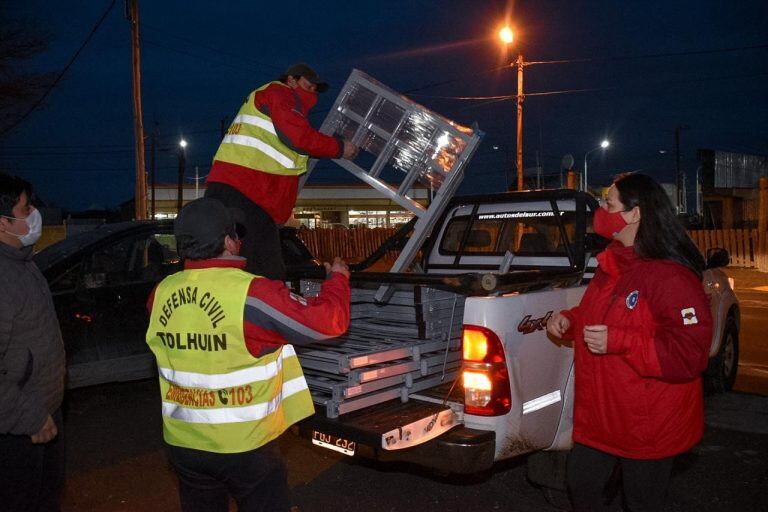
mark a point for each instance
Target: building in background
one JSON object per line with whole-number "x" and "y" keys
{"x": 318, "y": 205}
{"x": 729, "y": 188}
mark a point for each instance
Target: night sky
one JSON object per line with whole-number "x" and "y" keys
{"x": 648, "y": 67}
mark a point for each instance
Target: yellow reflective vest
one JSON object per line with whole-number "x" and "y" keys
{"x": 215, "y": 395}
{"x": 252, "y": 142}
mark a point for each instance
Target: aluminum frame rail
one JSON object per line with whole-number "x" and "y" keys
{"x": 400, "y": 134}
{"x": 390, "y": 351}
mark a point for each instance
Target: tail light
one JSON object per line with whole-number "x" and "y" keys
{"x": 484, "y": 371}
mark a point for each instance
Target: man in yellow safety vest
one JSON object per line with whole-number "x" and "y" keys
{"x": 261, "y": 158}
{"x": 230, "y": 382}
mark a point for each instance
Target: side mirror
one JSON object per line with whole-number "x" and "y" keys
{"x": 717, "y": 257}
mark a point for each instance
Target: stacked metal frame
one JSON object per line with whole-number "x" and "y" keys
{"x": 390, "y": 351}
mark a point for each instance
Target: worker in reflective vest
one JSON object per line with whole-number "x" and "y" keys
{"x": 259, "y": 163}
{"x": 230, "y": 383}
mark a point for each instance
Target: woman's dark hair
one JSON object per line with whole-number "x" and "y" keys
{"x": 11, "y": 188}
{"x": 190, "y": 248}
{"x": 660, "y": 235}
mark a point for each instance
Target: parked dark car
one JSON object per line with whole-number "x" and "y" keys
{"x": 100, "y": 281}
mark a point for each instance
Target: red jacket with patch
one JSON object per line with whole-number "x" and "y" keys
{"x": 276, "y": 194}
{"x": 643, "y": 398}
{"x": 273, "y": 316}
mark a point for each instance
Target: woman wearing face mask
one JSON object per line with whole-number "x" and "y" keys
{"x": 641, "y": 339}
{"x": 262, "y": 157}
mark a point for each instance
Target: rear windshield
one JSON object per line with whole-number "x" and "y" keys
{"x": 522, "y": 232}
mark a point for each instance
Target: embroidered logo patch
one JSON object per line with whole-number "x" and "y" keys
{"x": 632, "y": 299}
{"x": 689, "y": 316}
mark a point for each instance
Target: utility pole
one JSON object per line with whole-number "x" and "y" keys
{"x": 678, "y": 171}
{"x": 153, "y": 168}
{"x": 520, "y": 98}
{"x": 138, "y": 121}
{"x": 180, "y": 183}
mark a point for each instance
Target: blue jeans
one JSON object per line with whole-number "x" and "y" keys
{"x": 257, "y": 480}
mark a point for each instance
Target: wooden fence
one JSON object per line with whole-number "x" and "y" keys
{"x": 745, "y": 246}
{"x": 352, "y": 244}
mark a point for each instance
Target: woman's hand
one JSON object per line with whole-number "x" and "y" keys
{"x": 558, "y": 325}
{"x": 596, "y": 338}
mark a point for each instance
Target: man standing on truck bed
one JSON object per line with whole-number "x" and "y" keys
{"x": 262, "y": 157}
{"x": 643, "y": 331}
{"x": 230, "y": 383}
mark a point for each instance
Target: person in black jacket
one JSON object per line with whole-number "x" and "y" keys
{"x": 32, "y": 363}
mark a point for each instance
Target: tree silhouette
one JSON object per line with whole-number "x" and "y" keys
{"x": 19, "y": 87}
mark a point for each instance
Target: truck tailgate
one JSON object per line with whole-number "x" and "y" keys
{"x": 415, "y": 431}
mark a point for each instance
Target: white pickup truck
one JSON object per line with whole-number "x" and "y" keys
{"x": 456, "y": 370}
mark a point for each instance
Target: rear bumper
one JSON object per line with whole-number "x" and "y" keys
{"x": 461, "y": 450}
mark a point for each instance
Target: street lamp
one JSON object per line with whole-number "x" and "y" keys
{"x": 507, "y": 36}
{"x": 180, "y": 184}
{"x": 603, "y": 145}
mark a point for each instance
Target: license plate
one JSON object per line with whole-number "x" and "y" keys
{"x": 337, "y": 444}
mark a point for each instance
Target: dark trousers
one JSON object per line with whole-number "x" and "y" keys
{"x": 261, "y": 243}
{"x": 32, "y": 475}
{"x": 257, "y": 480}
{"x": 644, "y": 481}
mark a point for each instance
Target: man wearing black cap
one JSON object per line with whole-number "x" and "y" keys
{"x": 259, "y": 163}
{"x": 230, "y": 381}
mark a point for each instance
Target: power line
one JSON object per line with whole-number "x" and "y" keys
{"x": 651, "y": 55}
{"x": 590, "y": 59}
{"x": 63, "y": 71}
{"x": 145, "y": 41}
{"x": 99, "y": 146}
{"x": 211, "y": 48}
{"x": 593, "y": 89}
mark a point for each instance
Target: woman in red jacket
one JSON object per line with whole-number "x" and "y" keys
{"x": 642, "y": 334}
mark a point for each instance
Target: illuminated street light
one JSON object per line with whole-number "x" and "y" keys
{"x": 603, "y": 145}
{"x": 183, "y": 143}
{"x": 506, "y": 36}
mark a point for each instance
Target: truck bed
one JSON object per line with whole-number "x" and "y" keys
{"x": 410, "y": 344}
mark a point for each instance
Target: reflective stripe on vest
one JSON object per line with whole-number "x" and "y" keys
{"x": 252, "y": 142}
{"x": 234, "y": 414}
{"x": 216, "y": 396}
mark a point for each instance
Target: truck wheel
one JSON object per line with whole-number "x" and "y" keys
{"x": 722, "y": 369}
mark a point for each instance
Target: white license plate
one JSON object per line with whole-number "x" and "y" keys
{"x": 337, "y": 444}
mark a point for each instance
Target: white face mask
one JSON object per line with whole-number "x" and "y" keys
{"x": 35, "y": 223}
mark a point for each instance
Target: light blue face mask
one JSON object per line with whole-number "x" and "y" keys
{"x": 35, "y": 223}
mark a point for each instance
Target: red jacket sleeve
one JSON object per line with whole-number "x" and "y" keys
{"x": 275, "y": 316}
{"x": 676, "y": 347}
{"x": 151, "y": 299}
{"x": 283, "y": 106}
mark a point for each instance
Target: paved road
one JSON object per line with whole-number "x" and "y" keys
{"x": 116, "y": 463}
{"x": 116, "y": 460}
{"x": 751, "y": 288}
